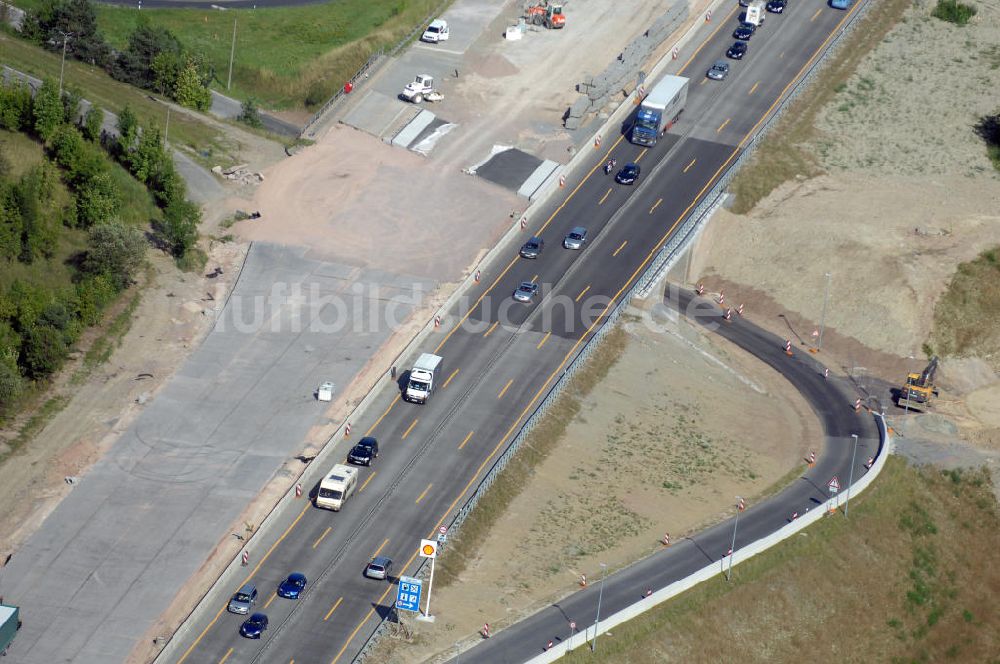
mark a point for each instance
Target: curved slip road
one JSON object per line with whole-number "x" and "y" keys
{"x": 501, "y": 359}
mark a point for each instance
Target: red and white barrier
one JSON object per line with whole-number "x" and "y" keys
{"x": 826, "y": 373}
{"x": 675, "y": 52}
{"x": 245, "y": 559}
{"x": 548, "y": 646}
{"x": 700, "y": 290}
{"x": 728, "y": 316}
{"x": 583, "y": 580}
{"x": 857, "y": 406}
{"x": 870, "y": 463}
{"x": 298, "y": 490}
{"x": 795, "y": 515}
{"x": 722, "y": 297}
{"x": 562, "y": 180}
{"x": 812, "y": 459}
{"x": 788, "y": 347}
{"x": 649, "y": 591}
{"x": 597, "y": 141}
{"x": 666, "y": 539}
{"x": 524, "y": 222}
{"x": 739, "y": 309}
{"x": 708, "y": 16}
{"x": 347, "y": 430}
{"x": 478, "y": 275}
{"x": 486, "y": 630}
{"x": 437, "y": 321}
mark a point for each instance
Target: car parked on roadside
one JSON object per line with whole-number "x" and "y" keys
{"x": 526, "y": 292}
{"x": 628, "y": 174}
{"x": 293, "y": 586}
{"x": 776, "y": 6}
{"x": 533, "y": 247}
{"x": 718, "y": 71}
{"x": 379, "y": 568}
{"x": 576, "y": 238}
{"x": 737, "y": 50}
{"x": 744, "y": 31}
{"x": 254, "y": 626}
{"x": 840, "y": 4}
{"x": 365, "y": 452}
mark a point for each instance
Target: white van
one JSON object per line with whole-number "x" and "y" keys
{"x": 436, "y": 32}
{"x": 337, "y": 486}
{"x": 755, "y": 13}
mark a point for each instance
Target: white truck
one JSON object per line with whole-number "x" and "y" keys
{"x": 659, "y": 110}
{"x": 436, "y": 32}
{"x": 336, "y": 487}
{"x": 755, "y": 14}
{"x": 421, "y": 88}
{"x": 424, "y": 378}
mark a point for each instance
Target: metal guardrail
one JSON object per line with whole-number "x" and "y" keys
{"x": 671, "y": 250}
{"x": 374, "y": 63}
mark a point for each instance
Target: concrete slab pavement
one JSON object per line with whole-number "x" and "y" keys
{"x": 110, "y": 559}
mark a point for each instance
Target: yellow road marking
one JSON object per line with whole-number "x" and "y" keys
{"x": 410, "y": 428}
{"x": 466, "y": 440}
{"x": 655, "y": 205}
{"x": 332, "y": 609}
{"x": 226, "y": 656}
{"x": 423, "y": 493}
{"x": 492, "y": 327}
{"x": 638, "y": 270}
{"x": 754, "y": 88}
{"x": 544, "y": 339}
{"x": 534, "y": 279}
{"x": 249, "y": 576}
{"x": 620, "y": 247}
{"x": 381, "y": 546}
{"x": 689, "y": 165}
{"x": 582, "y": 293}
{"x": 818, "y": 12}
{"x": 505, "y": 388}
{"x": 320, "y": 538}
{"x": 723, "y": 125}
{"x": 704, "y": 81}
{"x": 641, "y": 154}
{"x": 374, "y": 473}
{"x": 722, "y": 24}
{"x": 377, "y": 422}
{"x": 449, "y": 379}
{"x": 270, "y": 599}
{"x": 604, "y": 197}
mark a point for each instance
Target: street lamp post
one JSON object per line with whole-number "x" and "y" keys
{"x": 232, "y": 54}
{"x": 62, "y": 66}
{"x": 822, "y": 319}
{"x": 850, "y": 478}
{"x": 740, "y": 505}
{"x": 600, "y": 596}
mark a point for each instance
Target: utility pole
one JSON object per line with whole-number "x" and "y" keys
{"x": 822, "y": 319}
{"x": 166, "y": 128}
{"x": 232, "y": 54}
{"x": 850, "y": 478}
{"x": 62, "y": 66}
{"x": 740, "y": 506}
{"x": 600, "y": 596}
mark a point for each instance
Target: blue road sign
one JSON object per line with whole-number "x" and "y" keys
{"x": 408, "y": 593}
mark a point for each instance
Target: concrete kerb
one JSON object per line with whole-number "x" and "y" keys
{"x": 719, "y": 567}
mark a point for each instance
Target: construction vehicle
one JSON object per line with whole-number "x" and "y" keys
{"x": 420, "y": 89}
{"x": 919, "y": 388}
{"x": 549, "y": 14}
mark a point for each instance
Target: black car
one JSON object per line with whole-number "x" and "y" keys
{"x": 737, "y": 50}
{"x": 745, "y": 31}
{"x": 254, "y": 626}
{"x": 776, "y": 6}
{"x": 629, "y": 174}
{"x": 532, "y": 248}
{"x": 365, "y": 452}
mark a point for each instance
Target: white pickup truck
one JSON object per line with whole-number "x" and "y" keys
{"x": 421, "y": 88}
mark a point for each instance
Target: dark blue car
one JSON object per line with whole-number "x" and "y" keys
{"x": 254, "y": 626}
{"x": 293, "y": 586}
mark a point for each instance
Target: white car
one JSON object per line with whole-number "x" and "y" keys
{"x": 436, "y": 32}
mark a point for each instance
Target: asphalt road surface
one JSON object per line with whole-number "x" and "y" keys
{"x": 501, "y": 358}
{"x": 829, "y": 398}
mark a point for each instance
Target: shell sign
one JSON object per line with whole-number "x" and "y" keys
{"x": 428, "y": 549}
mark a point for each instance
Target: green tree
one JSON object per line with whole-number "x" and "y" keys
{"x": 134, "y": 64}
{"x": 71, "y": 105}
{"x": 93, "y": 293}
{"x": 10, "y": 384}
{"x": 167, "y": 184}
{"x": 43, "y": 351}
{"x": 10, "y": 223}
{"x": 166, "y": 70}
{"x": 67, "y": 146}
{"x": 128, "y": 130}
{"x": 148, "y": 155}
{"x": 189, "y": 90}
{"x": 180, "y": 226}
{"x": 93, "y": 122}
{"x": 250, "y": 114}
{"x": 15, "y": 106}
{"x": 98, "y": 200}
{"x": 116, "y": 251}
{"x": 48, "y": 110}
{"x": 46, "y": 24}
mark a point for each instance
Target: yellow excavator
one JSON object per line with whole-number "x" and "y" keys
{"x": 919, "y": 388}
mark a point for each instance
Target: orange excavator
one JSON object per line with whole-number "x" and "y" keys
{"x": 549, "y": 14}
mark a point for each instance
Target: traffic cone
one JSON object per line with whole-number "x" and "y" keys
{"x": 666, "y": 539}
{"x": 857, "y": 406}
{"x": 728, "y": 316}
{"x": 739, "y": 309}
{"x": 486, "y": 630}
{"x": 583, "y": 580}
{"x": 788, "y": 348}
{"x": 701, "y": 289}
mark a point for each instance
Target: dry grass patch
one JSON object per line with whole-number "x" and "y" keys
{"x": 967, "y": 317}
{"x": 911, "y": 577}
{"x": 785, "y": 154}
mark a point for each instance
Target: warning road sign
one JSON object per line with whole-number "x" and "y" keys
{"x": 443, "y": 530}
{"x": 834, "y": 485}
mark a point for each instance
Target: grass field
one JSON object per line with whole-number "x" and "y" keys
{"x": 913, "y": 576}
{"x": 283, "y": 55}
{"x": 785, "y": 153}
{"x": 967, "y": 317}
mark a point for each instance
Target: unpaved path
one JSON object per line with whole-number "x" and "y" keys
{"x": 680, "y": 425}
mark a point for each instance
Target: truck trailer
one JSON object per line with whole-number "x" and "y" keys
{"x": 424, "y": 378}
{"x": 10, "y": 622}
{"x": 659, "y": 110}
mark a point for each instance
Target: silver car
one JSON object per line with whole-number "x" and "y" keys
{"x": 718, "y": 71}
{"x": 378, "y": 568}
{"x": 575, "y": 238}
{"x": 244, "y": 599}
{"x": 526, "y": 292}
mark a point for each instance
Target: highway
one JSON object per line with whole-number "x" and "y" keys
{"x": 829, "y": 398}
{"x": 501, "y": 358}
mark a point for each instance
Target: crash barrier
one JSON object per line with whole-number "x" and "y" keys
{"x": 642, "y": 287}
{"x": 719, "y": 567}
{"x": 374, "y": 63}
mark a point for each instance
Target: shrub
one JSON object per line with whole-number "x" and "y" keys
{"x": 180, "y": 226}
{"x": 189, "y": 90}
{"x": 988, "y": 129}
{"x": 98, "y": 201}
{"x": 15, "y": 107}
{"x": 10, "y": 385}
{"x": 93, "y": 293}
{"x": 43, "y": 351}
{"x": 93, "y": 123}
{"x": 249, "y": 114}
{"x": 953, "y": 12}
{"x": 47, "y": 109}
{"x": 115, "y": 251}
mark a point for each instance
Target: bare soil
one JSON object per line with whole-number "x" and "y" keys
{"x": 668, "y": 427}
